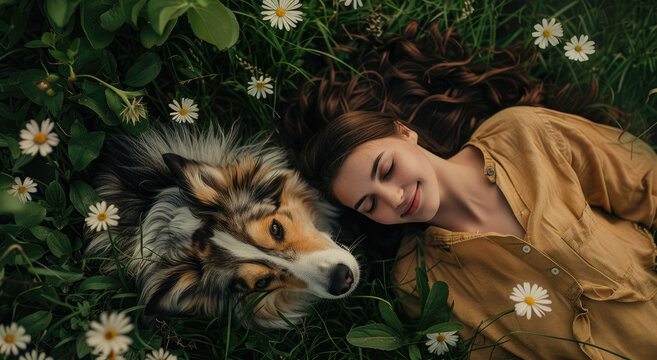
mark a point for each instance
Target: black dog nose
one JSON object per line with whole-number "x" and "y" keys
{"x": 341, "y": 280}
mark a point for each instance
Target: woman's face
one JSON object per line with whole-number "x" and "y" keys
{"x": 391, "y": 180}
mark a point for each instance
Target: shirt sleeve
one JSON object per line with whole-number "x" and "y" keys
{"x": 616, "y": 170}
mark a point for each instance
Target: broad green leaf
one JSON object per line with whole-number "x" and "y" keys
{"x": 99, "y": 107}
{"x": 137, "y": 128}
{"x": 374, "y": 336}
{"x": 55, "y": 195}
{"x": 444, "y": 327}
{"x": 54, "y": 102}
{"x": 145, "y": 69}
{"x": 36, "y": 322}
{"x": 436, "y": 301}
{"x": 162, "y": 11}
{"x": 215, "y": 24}
{"x": 114, "y": 102}
{"x": 28, "y": 83}
{"x": 60, "y": 11}
{"x": 414, "y": 352}
{"x": 150, "y": 38}
{"x": 58, "y": 274}
{"x": 34, "y": 44}
{"x": 422, "y": 284}
{"x": 81, "y": 347}
{"x": 58, "y": 243}
{"x": 49, "y": 38}
{"x": 112, "y": 19}
{"x": 31, "y": 214}
{"x": 12, "y": 144}
{"x": 99, "y": 282}
{"x": 40, "y": 232}
{"x": 84, "y": 147}
{"x": 33, "y": 252}
{"x": 136, "y": 9}
{"x": 389, "y": 316}
{"x": 90, "y": 12}
{"x": 82, "y": 196}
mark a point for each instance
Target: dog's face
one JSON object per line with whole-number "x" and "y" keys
{"x": 260, "y": 230}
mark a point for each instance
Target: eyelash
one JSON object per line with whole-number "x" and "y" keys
{"x": 385, "y": 177}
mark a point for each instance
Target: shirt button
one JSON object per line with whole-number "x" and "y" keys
{"x": 526, "y": 249}
{"x": 490, "y": 171}
{"x": 555, "y": 271}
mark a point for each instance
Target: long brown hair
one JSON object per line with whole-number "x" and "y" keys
{"x": 432, "y": 85}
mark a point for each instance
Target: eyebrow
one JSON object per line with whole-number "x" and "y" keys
{"x": 375, "y": 165}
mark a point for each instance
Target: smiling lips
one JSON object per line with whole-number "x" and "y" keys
{"x": 414, "y": 203}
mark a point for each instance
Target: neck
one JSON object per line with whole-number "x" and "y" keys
{"x": 464, "y": 190}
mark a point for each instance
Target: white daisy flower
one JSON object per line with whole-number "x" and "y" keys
{"x": 281, "y": 13}
{"x": 547, "y": 32}
{"x": 34, "y": 355}
{"x": 107, "y": 337}
{"x": 187, "y": 112}
{"x": 12, "y": 338}
{"x": 356, "y": 3}
{"x": 101, "y": 216}
{"x": 22, "y": 189}
{"x": 438, "y": 342}
{"x": 37, "y": 140}
{"x": 578, "y": 49}
{"x": 530, "y": 298}
{"x": 161, "y": 355}
{"x": 260, "y": 87}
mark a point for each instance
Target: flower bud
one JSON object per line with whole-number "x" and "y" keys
{"x": 51, "y": 92}
{"x": 43, "y": 85}
{"x": 52, "y": 78}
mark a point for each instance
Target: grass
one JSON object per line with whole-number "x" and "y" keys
{"x": 44, "y": 277}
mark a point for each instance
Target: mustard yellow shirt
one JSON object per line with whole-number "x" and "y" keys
{"x": 587, "y": 203}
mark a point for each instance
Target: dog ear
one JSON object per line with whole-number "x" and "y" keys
{"x": 200, "y": 182}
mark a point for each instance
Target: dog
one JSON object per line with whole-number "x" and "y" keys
{"x": 204, "y": 218}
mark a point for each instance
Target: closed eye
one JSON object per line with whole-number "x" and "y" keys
{"x": 389, "y": 172}
{"x": 373, "y": 207}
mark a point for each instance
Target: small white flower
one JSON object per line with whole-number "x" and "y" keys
{"x": 12, "y": 338}
{"x": 22, "y": 189}
{"x": 34, "y": 355}
{"x": 161, "y": 355}
{"x": 356, "y": 3}
{"x": 438, "y": 341}
{"x": 187, "y": 112}
{"x": 468, "y": 9}
{"x": 101, "y": 216}
{"x": 37, "y": 140}
{"x": 260, "y": 87}
{"x": 530, "y": 298}
{"x": 547, "y": 32}
{"x": 107, "y": 337}
{"x": 578, "y": 49}
{"x": 281, "y": 13}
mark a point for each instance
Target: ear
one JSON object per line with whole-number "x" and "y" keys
{"x": 199, "y": 182}
{"x": 405, "y": 131}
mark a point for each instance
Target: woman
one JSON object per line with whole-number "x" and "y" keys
{"x": 507, "y": 194}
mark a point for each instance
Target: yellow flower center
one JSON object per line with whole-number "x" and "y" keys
{"x": 260, "y": 85}
{"x": 40, "y": 138}
{"x": 111, "y": 355}
{"x": 578, "y": 48}
{"x": 280, "y": 12}
{"x": 547, "y": 33}
{"x": 102, "y": 217}
{"x": 441, "y": 338}
{"x": 21, "y": 189}
{"x": 530, "y": 300}
{"x": 110, "y": 334}
{"x": 9, "y": 338}
{"x": 182, "y": 111}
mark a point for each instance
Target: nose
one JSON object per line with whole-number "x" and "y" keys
{"x": 393, "y": 195}
{"x": 341, "y": 280}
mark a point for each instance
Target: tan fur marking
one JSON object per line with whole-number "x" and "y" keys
{"x": 251, "y": 273}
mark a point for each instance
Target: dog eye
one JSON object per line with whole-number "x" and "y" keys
{"x": 264, "y": 282}
{"x": 276, "y": 230}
